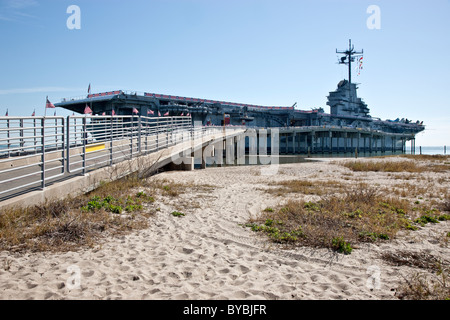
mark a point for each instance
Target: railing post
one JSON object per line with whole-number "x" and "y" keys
{"x": 68, "y": 145}
{"x": 157, "y": 134}
{"x": 56, "y": 133}
{"x": 43, "y": 153}
{"x": 131, "y": 138}
{"x": 35, "y": 138}
{"x": 139, "y": 134}
{"x": 63, "y": 145}
{"x": 171, "y": 131}
{"x": 111, "y": 142}
{"x": 84, "y": 135}
{"x": 8, "y": 135}
{"x": 22, "y": 142}
{"x": 167, "y": 132}
{"x": 146, "y": 135}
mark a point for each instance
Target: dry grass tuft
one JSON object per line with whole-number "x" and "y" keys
{"x": 383, "y": 166}
{"x": 67, "y": 225}
{"x": 359, "y": 215}
{"x": 433, "y": 285}
{"x": 446, "y": 205}
{"x": 424, "y": 157}
{"x": 306, "y": 187}
{"x": 422, "y": 260}
{"x": 394, "y": 166}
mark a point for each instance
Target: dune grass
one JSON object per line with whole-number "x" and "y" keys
{"x": 306, "y": 187}
{"x": 431, "y": 283}
{"x": 64, "y": 225}
{"x": 394, "y": 166}
{"x": 336, "y": 221}
{"x": 71, "y": 223}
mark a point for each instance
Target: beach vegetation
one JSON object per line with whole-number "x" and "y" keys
{"x": 340, "y": 245}
{"x": 393, "y": 166}
{"x": 75, "y": 222}
{"x": 177, "y": 214}
{"x": 430, "y": 283}
{"x": 360, "y": 214}
{"x": 306, "y": 187}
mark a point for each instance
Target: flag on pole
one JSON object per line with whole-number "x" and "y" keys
{"x": 34, "y": 113}
{"x": 113, "y": 112}
{"x": 182, "y": 114}
{"x": 360, "y": 65}
{"x": 159, "y": 114}
{"x": 87, "y": 110}
{"x": 104, "y": 113}
{"x": 150, "y": 112}
{"x": 188, "y": 115}
{"x": 48, "y": 104}
{"x": 135, "y": 111}
{"x": 6, "y": 114}
{"x": 89, "y": 88}
{"x": 166, "y": 114}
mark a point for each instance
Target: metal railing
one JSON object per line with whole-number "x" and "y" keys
{"x": 37, "y": 151}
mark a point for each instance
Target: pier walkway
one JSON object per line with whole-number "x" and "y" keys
{"x": 43, "y": 158}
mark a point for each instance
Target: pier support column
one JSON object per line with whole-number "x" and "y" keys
{"x": 358, "y": 136}
{"x": 240, "y": 149}
{"x": 351, "y": 142}
{"x": 331, "y": 142}
{"x": 218, "y": 153}
{"x": 229, "y": 151}
{"x": 286, "y": 150}
{"x": 293, "y": 142}
{"x": 322, "y": 143}
{"x": 306, "y": 143}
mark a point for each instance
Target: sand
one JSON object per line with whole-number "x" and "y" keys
{"x": 208, "y": 254}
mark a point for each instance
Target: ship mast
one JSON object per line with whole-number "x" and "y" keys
{"x": 348, "y": 58}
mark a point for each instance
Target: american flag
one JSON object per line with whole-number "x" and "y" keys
{"x": 6, "y": 114}
{"x": 150, "y": 112}
{"x": 135, "y": 111}
{"x": 48, "y": 104}
{"x": 166, "y": 114}
{"x": 159, "y": 114}
{"x": 87, "y": 110}
{"x": 113, "y": 113}
{"x": 34, "y": 113}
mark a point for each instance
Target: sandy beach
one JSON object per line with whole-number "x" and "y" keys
{"x": 208, "y": 254}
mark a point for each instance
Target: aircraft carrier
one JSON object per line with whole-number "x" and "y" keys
{"x": 349, "y": 116}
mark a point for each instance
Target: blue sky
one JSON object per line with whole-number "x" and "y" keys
{"x": 268, "y": 52}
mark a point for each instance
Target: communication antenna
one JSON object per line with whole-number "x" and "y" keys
{"x": 349, "y": 57}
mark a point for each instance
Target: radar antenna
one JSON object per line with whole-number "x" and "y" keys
{"x": 349, "y": 57}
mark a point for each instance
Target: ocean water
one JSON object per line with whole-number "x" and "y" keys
{"x": 431, "y": 150}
